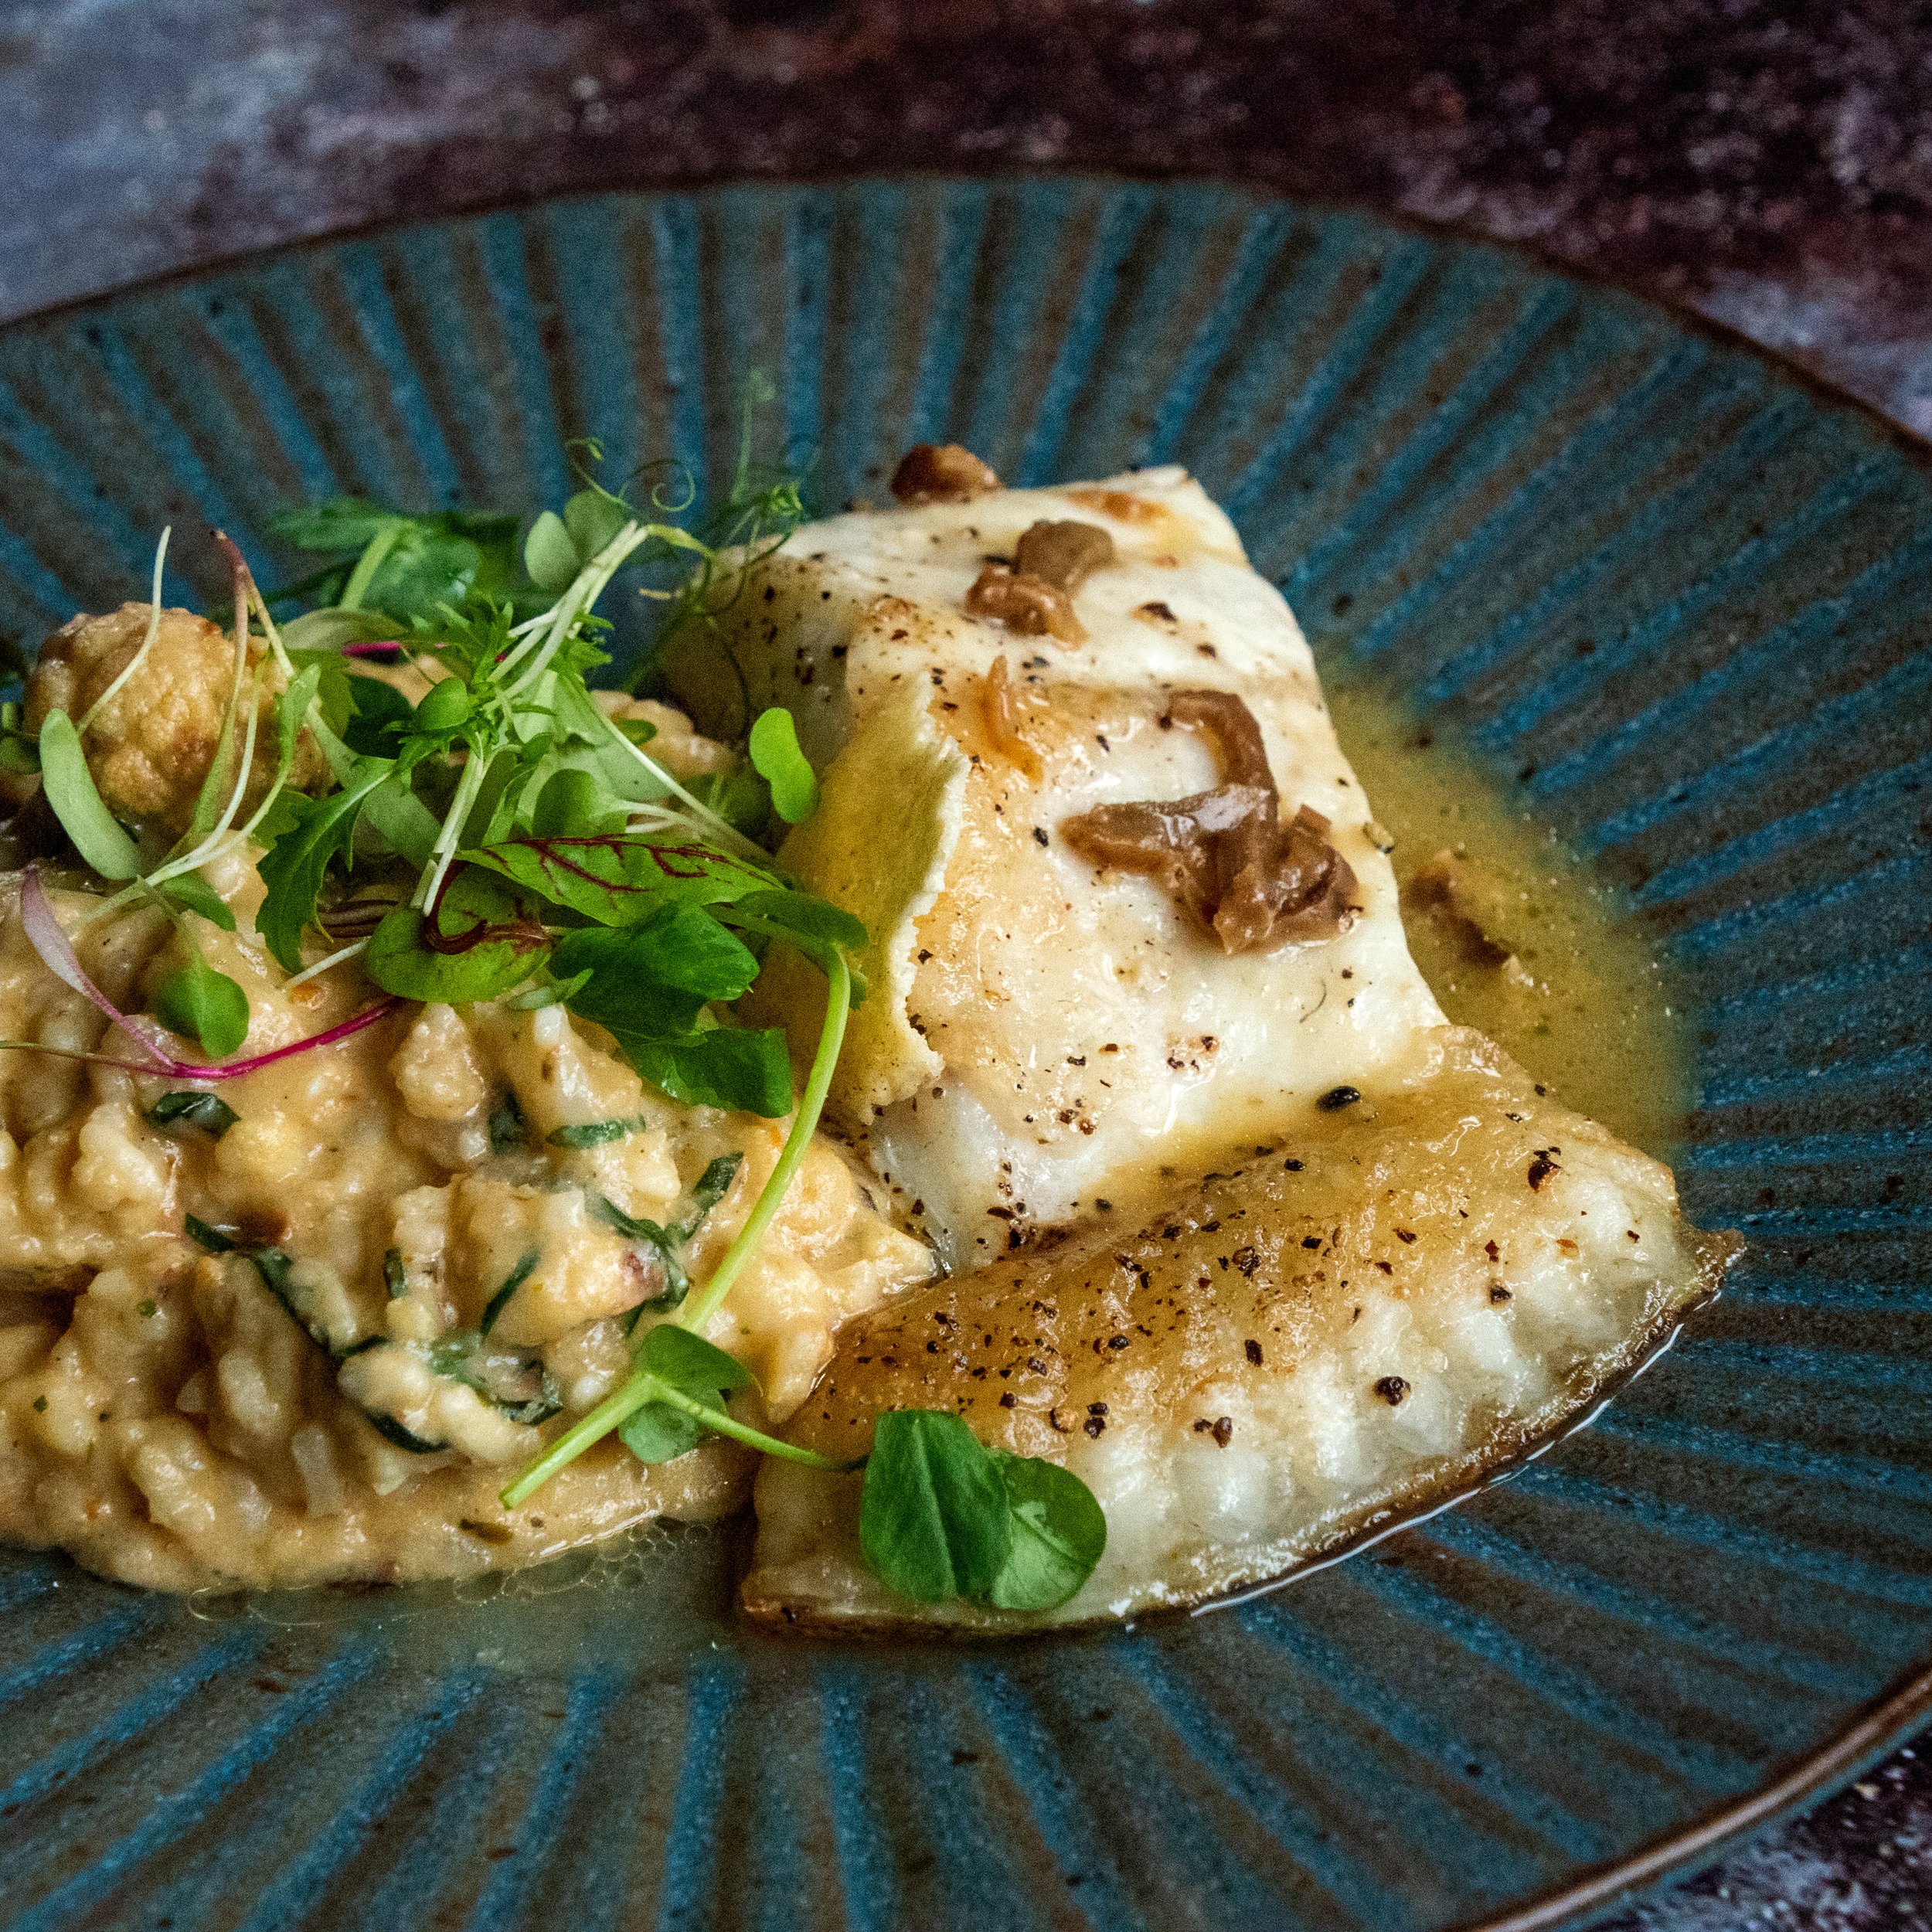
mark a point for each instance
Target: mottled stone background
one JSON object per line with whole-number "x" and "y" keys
{"x": 1770, "y": 166}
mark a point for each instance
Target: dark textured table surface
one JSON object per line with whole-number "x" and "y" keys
{"x": 1768, "y": 166}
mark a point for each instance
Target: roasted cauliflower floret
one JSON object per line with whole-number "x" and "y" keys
{"x": 151, "y": 747}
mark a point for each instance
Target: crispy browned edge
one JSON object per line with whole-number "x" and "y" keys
{"x": 1508, "y": 1450}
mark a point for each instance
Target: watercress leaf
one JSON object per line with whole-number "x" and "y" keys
{"x": 690, "y": 1364}
{"x": 812, "y": 919}
{"x": 594, "y": 518}
{"x": 208, "y": 1112}
{"x": 549, "y": 553}
{"x": 1059, "y": 1534}
{"x": 933, "y": 1520}
{"x": 70, "y": 791}
{"x": 295, "y": 866}
{"x": 337, "y": 523}
{"x": 200, "y": 1004}
{"x": 617, "y": 878}
{"x": 697, "y": 1370}
{"x": 190, "y": 889}
{"x": 378, "y": 715}
{"x": 775, "y": 757}
{"x": 748, "y": 1072}
{"x": 656, "y": 976}
{"x": 658, "y": 1433}
{"x": 489, "y": 940}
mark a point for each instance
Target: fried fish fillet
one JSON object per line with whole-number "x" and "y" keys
{"x": 1241, "y": 1230}
{"x": 1047, "y": 1032}
{"x": 1365, "y": 1316}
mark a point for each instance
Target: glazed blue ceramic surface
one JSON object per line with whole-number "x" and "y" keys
{"x": 1680, "y": 597}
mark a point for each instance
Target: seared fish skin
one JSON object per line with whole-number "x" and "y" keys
{"x": 1366, "y": 1318}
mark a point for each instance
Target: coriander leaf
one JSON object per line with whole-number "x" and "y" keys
{"x": 485, "y": 939}
{"x": 750, "y": 1072}
{"x": 200, "y": 1004}
{"x": 933, "y": 1520}
{"x": 617, "y": 878}
{"x": 515, "y": 1279}
{"x": 550, "y": 554}
{"x": 395, "y": 1274}
{"x": 70, "y": 791}
{"x": 208, "y": 1112}
{"x": 190, "y": 889}
{"x": 1058, "y": 1531}
{"x": 293, "y": 868}
{"x": 379, "y": 714}
{"x": 775, "y": 757}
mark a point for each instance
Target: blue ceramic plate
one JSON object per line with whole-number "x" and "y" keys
{"x": 1455, "y": 463}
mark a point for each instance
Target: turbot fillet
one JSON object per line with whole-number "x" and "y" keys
{"x": 1242, "y": 1232}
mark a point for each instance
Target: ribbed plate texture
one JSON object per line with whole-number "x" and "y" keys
{"x": 1683, "y": 598}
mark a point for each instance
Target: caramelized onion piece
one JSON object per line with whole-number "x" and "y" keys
{"x": 1224, "y": 855}
{"x": 1066, "y": 554}
{"x": 1025, "y": 602}
{"x": 941, "y": 473}
{"x": 1000, "y": 711}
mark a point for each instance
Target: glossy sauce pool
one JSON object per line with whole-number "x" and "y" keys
{"x": 1587, "y": 1007}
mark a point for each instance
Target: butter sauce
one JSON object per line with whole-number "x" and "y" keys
{"x": 1590, "y": 1007}
{"x": 1592, "y": 1012}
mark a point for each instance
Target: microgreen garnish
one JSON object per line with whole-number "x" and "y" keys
{"x": 69, "y": 787}
{"x": 775, "y": 757}
{"x": 209, "y": 1113}
{"x": 941, "y": 1515}
{"x": 203, "y": 1005}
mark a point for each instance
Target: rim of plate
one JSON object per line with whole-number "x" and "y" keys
{"x": 1881, "y": 1725}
